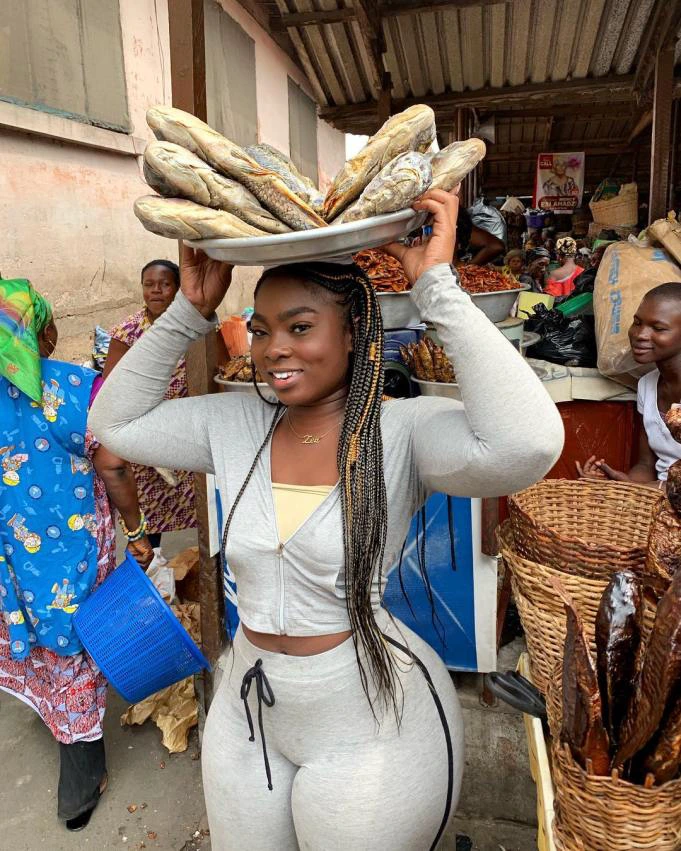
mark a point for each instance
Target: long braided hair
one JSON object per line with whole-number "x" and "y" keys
{"x": 360, "y": 464}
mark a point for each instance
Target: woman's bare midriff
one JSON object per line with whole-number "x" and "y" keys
{"x": 296, "y": 645}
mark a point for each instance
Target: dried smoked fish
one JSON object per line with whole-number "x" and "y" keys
{"x": 664, "y": 541}
{"x": 665, "y": 759}
{"x": 618, "y": 642}
{"x": 659, "y": 678}
{"x": 582, "y": 727}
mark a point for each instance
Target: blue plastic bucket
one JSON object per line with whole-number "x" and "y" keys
{"x": 133, "y": 635}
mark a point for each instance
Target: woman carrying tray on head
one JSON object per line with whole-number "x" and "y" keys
{"x": 360, "y": 740}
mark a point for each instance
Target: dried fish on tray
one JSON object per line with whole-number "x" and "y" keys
{"x": 385, "y": 272}
{"x": 482, "y": 279}
{"x": 664, "y": 541}
{"x": 411, "y": 130}
{"x": 395, "y": 187}
{"x": 276, "y": 161}
{"x": 180, "y": 219}
{"x": 453, "y": 163}
{"x": 174, "y": 125}
{"x": 428, "y": 361}
{"x": 175, "y": 172}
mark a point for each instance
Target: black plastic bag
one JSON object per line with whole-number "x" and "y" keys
{"x": 565, "y": 340}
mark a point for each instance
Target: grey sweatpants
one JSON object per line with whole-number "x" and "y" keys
{"x": 339, "y": 780}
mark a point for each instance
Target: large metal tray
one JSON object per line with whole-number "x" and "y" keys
{"x": 245, "y": 387}
{"x": 330, "y": 243}
{"x": 398, "y": 311}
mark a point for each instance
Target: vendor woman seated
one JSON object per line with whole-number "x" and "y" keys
{"x": 655, "y": 338}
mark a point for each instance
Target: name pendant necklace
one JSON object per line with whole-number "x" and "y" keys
{"x": 309, "y": 439}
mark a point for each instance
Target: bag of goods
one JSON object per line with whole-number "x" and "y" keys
{"x": 235, "y": 334}
{"x": 564, "y": 340}
{"x": 488, "y": 218}
{"x": 667, "y": 232}
{"x": 626, "y": 273}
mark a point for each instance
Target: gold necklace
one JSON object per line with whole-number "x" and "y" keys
{"x": 309, "y": 439}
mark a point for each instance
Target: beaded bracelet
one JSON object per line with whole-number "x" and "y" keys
{"x": 137, "y": 533}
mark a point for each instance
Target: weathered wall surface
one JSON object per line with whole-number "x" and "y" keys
{"x": 66, "y": 218}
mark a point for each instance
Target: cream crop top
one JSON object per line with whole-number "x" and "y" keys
{"x": 293, "y": 504}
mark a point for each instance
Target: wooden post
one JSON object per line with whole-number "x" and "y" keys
{"x": 662, "y": 117}
{"x": 188, "y": 77}
{"x": 385, "y": 99}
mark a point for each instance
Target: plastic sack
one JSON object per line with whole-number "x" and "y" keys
{"x": 626, "y": 273}
{"x": 512, "y": 205}
{"x": 100, "y": 347}
{"x": 162, "y": 575}
{"x": 488, "y": 218}
{"x": 565, "y": 340}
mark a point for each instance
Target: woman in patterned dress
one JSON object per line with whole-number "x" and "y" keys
{"x": 166, "y": 499}
{"x": 57, "y": 540}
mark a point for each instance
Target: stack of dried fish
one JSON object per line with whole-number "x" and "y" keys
{"x": 482, "y": 279}
{"x": 238, "y": 369}
{"x": 209, "y": 187}
{"x": 627, "y": 716}
{"x": 383, "y": 271}
{"x": 428, "y": 361}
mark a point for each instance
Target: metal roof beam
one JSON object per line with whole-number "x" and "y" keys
{"x": 661, "y": 32}
{"x": 384, "y": 10}
{"x": 604, "y": 90}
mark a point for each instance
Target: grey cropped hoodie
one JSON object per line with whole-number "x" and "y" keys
{"x": 506, "y": 437}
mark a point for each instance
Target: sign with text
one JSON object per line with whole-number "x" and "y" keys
{"x": 559, "y": 182}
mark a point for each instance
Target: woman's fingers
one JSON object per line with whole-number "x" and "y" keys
{"x": 396, "y": 250}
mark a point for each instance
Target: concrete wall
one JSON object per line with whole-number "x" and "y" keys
{"x": 67, "y": 188}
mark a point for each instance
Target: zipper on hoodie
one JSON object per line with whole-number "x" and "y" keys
{"x": 280, "y": 552}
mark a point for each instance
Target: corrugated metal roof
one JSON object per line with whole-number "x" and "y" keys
{"x": 466, "y": 49}
{"x": 510, "y": 56}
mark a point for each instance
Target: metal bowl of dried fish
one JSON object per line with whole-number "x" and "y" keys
{"x": 398, "y": 310}
{"x": 236, "y": 376}
{"x": 437, "y": 388}
{"x": 329, "y": 243}
{"x": 497, "y": 306}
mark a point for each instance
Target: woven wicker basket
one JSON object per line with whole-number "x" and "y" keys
{"x": 541, "y": 612}
{"x": 584, "y": 527}
{"x": 607, "y": 813}
{"x": 621, "y": 210}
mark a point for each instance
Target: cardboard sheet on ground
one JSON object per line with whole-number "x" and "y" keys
{"x": 174, "y": 710}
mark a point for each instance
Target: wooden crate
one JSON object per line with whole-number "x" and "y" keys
{"x": 540, "y": 769}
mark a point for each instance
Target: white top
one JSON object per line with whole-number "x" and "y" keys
{"x": 661, "y": 442}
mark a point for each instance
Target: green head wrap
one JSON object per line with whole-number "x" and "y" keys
{"x": 24, "y": 313}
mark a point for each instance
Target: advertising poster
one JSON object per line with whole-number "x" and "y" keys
{"x": 559, "y": 183}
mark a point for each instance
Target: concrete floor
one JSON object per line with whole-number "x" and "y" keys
{"x": 497, "y": 807}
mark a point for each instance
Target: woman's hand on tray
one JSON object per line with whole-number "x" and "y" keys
{"x": 203, "y": 281}
{"x": 444, "y": 207}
